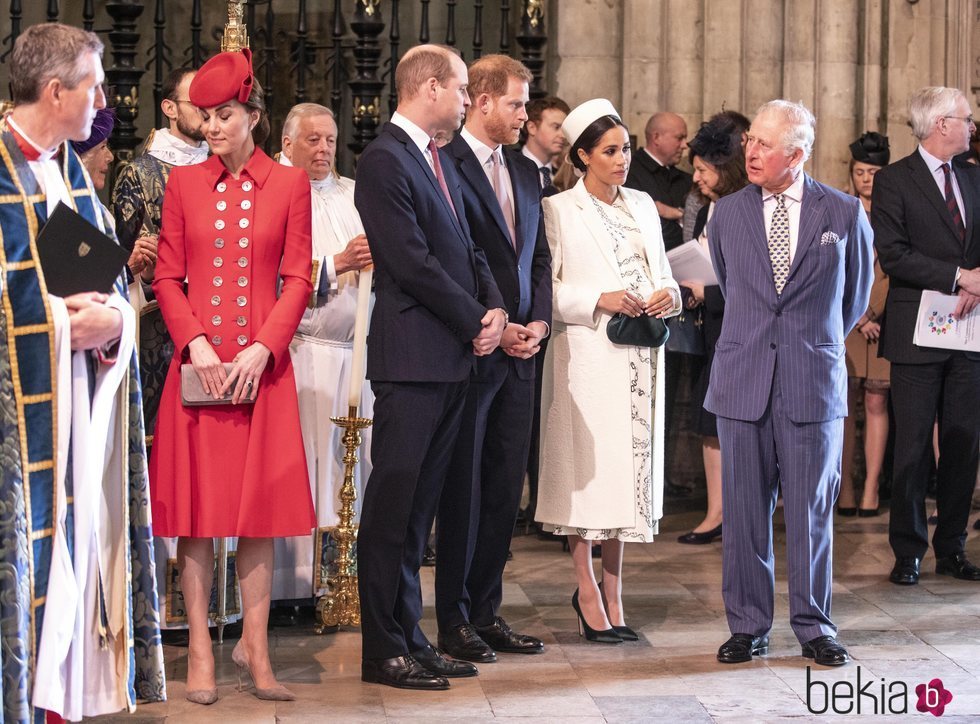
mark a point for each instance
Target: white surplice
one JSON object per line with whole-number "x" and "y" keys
{"x": 321, "y": 353}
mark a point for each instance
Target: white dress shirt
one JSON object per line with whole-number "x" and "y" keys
{"x": 793, "y": 199}
{"x": 419, "y": 137}
{"x": 483, "y": 152}
{"x": 936, "y": 169}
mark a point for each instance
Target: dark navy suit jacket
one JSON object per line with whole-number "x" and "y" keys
{"x": 522, "y": 275}
{"x": 918, "y": 247}
{"x": 825, "y": 294}
{"x": 432, "y": 284}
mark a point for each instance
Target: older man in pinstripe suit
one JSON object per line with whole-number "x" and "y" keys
{"x": 794, "y": 261}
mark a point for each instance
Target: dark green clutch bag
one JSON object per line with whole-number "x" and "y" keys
{"x": 642, "y": 331}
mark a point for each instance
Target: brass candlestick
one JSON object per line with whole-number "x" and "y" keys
{"x": 235, "y": 37}
{"x": 341, "y": 605}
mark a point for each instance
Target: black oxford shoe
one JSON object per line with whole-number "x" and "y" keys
{"x": 463, "y": 642}
{"x": 905, "y": 572}
{"x": 438, "y": 663}
{"x": 501, "y": 637}
{"x": 826, "y": 651}
{"x": 742, "y": 647}
{"x": 401, "y": 672}
{"x": 957, "y": 566}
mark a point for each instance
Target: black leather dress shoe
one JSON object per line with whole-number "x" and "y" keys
{"x": 438, "y": 663}
{"x": 501, "y": 637}
{"x": 429, "y": 556}
{"x": 401, "y": 672}
{"x": 905, "y": 572}
{"x": 826, "y": 651}
{"x": 463, "y": 642}
{"x": 957, "y": 566}
{"x": 698, "y": 539}
{"x": 742, "y": 647}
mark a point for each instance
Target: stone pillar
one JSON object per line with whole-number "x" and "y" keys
{"x": 762, "y": 54}
{"x": 588, "y": 41}
{"x": 643, "y": 61}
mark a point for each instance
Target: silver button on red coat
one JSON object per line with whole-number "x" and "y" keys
{"x": 222, "y": 187}
{"x": 216, "y": 320}
{"x": 219, "y": 243}
{"x": 242, "y": 262}
{"x": 242, "y": 321}
{"x": 246, "y": 204}
{"x": 215, "y": 300}
{"x": 218, "y": 281}
{"x": 216, "y": 340}
{"x": 243, "y": 281}
{"x": 221, "y": 205}
{"x": 218, "y": 261}
{"x": 243, "y": 223}
{"x": 242, "y": 340}
{"x": 219, "y": 224}
{"x": 243, "y": 242}
{"x": 247, "y": 186}
{"x": 241, "y": 301}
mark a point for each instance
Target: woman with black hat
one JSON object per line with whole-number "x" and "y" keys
{"x": 868, "y": 373}
{"x": 719, "y": 169}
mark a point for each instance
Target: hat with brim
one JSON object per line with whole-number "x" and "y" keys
{"x": 225, "y": 77}
{"x": 584, "y": 115}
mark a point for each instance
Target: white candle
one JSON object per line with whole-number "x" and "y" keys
{"x": 360, "y": 337}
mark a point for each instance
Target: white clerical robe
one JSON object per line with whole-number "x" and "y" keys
{"x": 321, "y": 353}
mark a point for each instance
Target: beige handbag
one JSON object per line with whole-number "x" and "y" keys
{"x": 193, "y": 394}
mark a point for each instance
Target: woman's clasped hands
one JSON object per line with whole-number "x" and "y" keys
{"x": 623, "y": 301}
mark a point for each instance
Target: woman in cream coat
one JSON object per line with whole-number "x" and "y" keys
{"x": 601, "y": 475}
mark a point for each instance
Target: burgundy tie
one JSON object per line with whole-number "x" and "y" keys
{"x": 437, "y": 167}
{"x": 954, "y": 208}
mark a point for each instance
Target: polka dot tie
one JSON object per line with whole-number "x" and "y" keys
{"x": 779, "y": 243}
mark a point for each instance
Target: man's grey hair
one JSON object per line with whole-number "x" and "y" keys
{"x": 929, "y": 104}
{"x": 800, "y": 125}
{"x": 45, "y": 52}
{"x": 300, "y": 111}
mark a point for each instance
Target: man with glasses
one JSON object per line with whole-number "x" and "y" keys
{"x": 923, "y": 212}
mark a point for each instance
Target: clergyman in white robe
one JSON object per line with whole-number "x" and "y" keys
{"x": 321, "y": 354}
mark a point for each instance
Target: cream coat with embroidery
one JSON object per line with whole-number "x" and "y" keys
{"x": 586, "y": 478}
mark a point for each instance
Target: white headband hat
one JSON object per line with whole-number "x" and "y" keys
{"x": 584, "y": 115}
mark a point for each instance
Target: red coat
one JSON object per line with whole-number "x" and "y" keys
{"x": 234, "y": 470}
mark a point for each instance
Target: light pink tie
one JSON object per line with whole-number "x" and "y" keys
{"x": 437, "y": 169}
{"x": 502, "y": 192}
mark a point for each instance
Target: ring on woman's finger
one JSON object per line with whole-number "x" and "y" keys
{"x": 248, "y": 384}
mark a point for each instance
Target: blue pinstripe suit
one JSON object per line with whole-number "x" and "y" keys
{"x": 779, "y": 389}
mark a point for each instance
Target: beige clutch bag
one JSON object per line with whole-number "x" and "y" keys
{"x": 193, "y": 394}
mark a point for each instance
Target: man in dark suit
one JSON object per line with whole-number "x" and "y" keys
{"x": 479, "y": 504}
{"x": 654, "y": 170}
{"x": 794, "y": 261}
{"x": 924, "y": 213}
{"x": 437, "y": 309}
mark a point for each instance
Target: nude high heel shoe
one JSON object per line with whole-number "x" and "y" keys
{"x": 202, "y": 696}
{"x": 276, "y": 693}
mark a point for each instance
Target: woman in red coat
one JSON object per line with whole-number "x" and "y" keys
{"x": 232, "y": 227}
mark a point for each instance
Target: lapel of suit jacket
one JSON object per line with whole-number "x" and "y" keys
{"x": 969, "y": 194}
{"x": 920, "y": 173}
{"x": 754, "y": 216}
{"x": 525, "y": 188}
{"x": 811, "y": 214}
{"x": 430, "y": 174}
{"x": 647, "y": 223}
{"x": 593, "y": 222}
{"x": 472, "y": 170}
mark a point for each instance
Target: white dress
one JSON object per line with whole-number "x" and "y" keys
{"x": 602, "y": 425}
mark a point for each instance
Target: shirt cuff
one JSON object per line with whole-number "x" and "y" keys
{"x": 328, "y": 277}
{"x": 956, "y": 280}
{"x": 547, "y": 327}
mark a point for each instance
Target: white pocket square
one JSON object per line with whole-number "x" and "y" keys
{"x": 829, "y": 237}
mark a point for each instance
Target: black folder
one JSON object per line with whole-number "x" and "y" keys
{"x": 76, "y": 256}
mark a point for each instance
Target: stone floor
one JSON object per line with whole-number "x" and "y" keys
{"x": 898, "y": 637}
